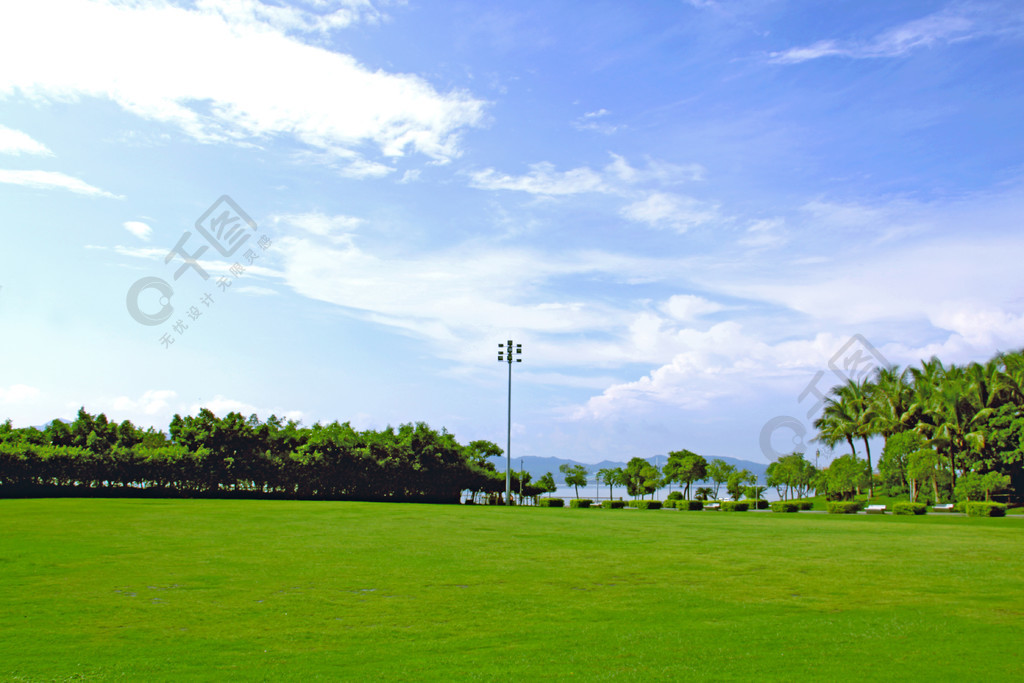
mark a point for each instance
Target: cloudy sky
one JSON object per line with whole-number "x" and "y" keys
{"x": 690, "y": 214}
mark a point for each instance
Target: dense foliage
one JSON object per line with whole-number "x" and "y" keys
{"x": 204, "y": 455}
{"x": 941, "y": 424}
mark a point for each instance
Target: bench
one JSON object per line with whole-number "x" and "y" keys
{"x": 875, "y": 509}
{"x": 945, "y": 507}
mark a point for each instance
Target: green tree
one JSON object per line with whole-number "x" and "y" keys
{"x": 703, "y": 493}
{"x": 719, "y": 472}
{"x": 686, "y": 467}
{"x": 611, "y": 477}
{"x": 575, "y": 476}
{"x": 924, "y": 465}
{"x": 480, "y": 452}
{"x": 641, "y": 477}
{"x": 843, "y": 478}
{"x": 738, "y": 481}
{"x": 892, "y": 466}
{"x": 792, "y": 476}
{"x": 547, "y": 483}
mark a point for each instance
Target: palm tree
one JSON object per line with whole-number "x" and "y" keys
{"x": 1011, "y": 379}
{"x": 848, "y": 415}
{"x": 858, "y": 396}
{"x": 949, "y": 408}
{"x": 890, "y": 396}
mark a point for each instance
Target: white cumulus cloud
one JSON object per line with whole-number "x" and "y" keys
{"x": 222, "y": 71}
{"x": 139, "y": 229}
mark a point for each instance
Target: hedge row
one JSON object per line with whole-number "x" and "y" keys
{"x": 647, "y": 504}
{"x": 785, "y": 506}
{"x": 844, "y": 507}
{"x": 580, "y": 503}
{"x": 904, "y": 507}
{"x": 550, "y": 502}
{"x": 613, "y": 504}
{"x": 734, "y": 506}
{"x": 985, "y": 509}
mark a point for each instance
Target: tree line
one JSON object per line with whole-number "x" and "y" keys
{"x": 950, "y": 431}
{"x": 684, "y": 468}
{"x": 235, "y": 456}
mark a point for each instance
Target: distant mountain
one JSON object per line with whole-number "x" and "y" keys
{"x": 538, "y": 466}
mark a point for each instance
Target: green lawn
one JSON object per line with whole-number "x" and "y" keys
{"x": 247, "y": 590}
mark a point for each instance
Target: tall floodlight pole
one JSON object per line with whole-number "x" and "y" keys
{"x": 505, "y": 354}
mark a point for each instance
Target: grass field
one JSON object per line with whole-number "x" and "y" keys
{"x": 247, "y": 590}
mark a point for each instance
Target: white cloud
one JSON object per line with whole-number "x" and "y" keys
{"x": 154, "y": 402}
{"x": 337, "y": 15}
{"x": 442, "y": 295}
{"x": 687, "y": 307}
{"x": 618, "y": 177}
{"x": 249, "y": 79}
{"x": 139, "y": 229}
{"x": 257, "y": 291}
{"x": 595, "y": 120}
{"x": 16, "y": 142}
{"x": 19, "y": 393}
{"x": 337, "y": 228}
{"x": 543, "y": 179}
{"x": 764, "y": 233}
{"x": 52, "y": 180}
{"x": 666, "y": 210}
{"x": 946, "y": 26}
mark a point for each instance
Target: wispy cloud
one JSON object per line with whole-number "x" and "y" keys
{"x": 943, "y": 27}
{"x": 595, "y": 121}
{"x": 334, "y": 14}
{"x": 17, "y": 142}
{"x": 666, "y": 210}
{"x": 52, "y": 180}
{"x": 618, "y": 177}
{"x": 543, "y": 179}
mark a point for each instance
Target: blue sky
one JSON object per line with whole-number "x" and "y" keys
{"x": 683, "y": 210}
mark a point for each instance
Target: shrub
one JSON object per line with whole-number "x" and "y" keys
{"x": 613, "y": 504}
{"x": 670, "y": 503}
{"x": 785, "y": 506}
{"x": 675, "y": 495}
{"x": 759, "y": 504}
{"x": 689, "y": 505}
{"x": 844, "y": 507}
{"x": 905, "y": 507}
{"x": 647, "y": 504}
{"x": 580, "y": 503}
{"x": 985, "y": 509}
{"x": 734, "y": 506}
{"x": 550, "y": 503}
{"x": 805, "y": 504}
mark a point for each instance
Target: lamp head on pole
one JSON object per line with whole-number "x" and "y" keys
{"x": 508, "y": 352}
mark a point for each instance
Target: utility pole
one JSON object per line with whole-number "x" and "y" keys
{"x": 505, "y": 354}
